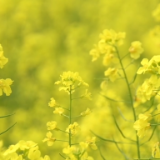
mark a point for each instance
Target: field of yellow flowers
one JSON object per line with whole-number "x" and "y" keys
{"x": 80, "y": 80}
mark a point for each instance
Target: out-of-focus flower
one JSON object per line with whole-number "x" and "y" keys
{"x": 145, "y": 64}
{"x": 52, "y": 125}
{"x": 5, "y": 86}
{"x": 73, "y": 128}
{"x": 49, "y": 139}
{"x": 112, "y": 74}
{"x": 136, "y": 49}
{"x": 111, "y": 37}
{"x": 34, "y": 154}
{"x": 3, "y": 59}
{"x": 142, "y": 124}
{"x": 69, "y": 81}
{"x": 87, "y": 95}
{"x": 58, "y": 110}
{"x": 87, "y": 112}
{"x": 52, "y": 103}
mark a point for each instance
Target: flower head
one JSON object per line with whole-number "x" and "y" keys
{"x": 69, "y": 81}
{"x": 112, "y": 74}
{"x": 73, "y": 128}
{"x": 136, "y": 49}
{"x": 49, "y": 139}
{"x": 3, "y": 60}
{"x": 5, "y": 86}
{"x": 52, "y": 125}
{"x": 142, "y": 124}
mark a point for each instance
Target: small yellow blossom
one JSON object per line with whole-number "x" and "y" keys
{"x": 87, "y": 112}
{"x": 5, "y": 86}
{"x": 142, "y": 124}
{"x": 58, "y": 110}
{"x": 52, "y": 103}
{"x": 156, "y": 151}
{"x": 91, "y": 142}
{"x": 3, "y": 60}
{"x": 23, "y": 145}
{"x": 87, "y": 95}
{"x": 52, "y": 125}
{"x": 109, "y": 59}
{"x": 145, "y": 64}
{"x": 49, "y": 139}
{"x": 73, "y": 128}
{"x": 112, "y": 74}
{"x": 86, "y": 157}
{"x": 136, "y": 49}
{"x": 95, "y": 53}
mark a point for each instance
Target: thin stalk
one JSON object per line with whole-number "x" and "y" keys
{"x": 70, "y": 115}
{"x": 130, "y": 95}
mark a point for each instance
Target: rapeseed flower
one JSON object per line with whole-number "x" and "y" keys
{"x": 73, "y": 128}
{"x": 142, "y": 124}
{"x": 49, "y": 139}
{"x": 3, "y": 59}
{"x": 69, "y": 81}
{"x": 112, "y": 74}
{"x": 136, "y": 49}
{"x": 5, "y": 86}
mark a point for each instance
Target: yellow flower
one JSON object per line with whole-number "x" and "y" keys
{"x": 111, "y": 37}
{"x": 95, "y": 53}
{"x": 52, "y": 103}
{"x": 49, "y": 139}
{"x": 73, "y": 128}
{"x": 58, "y": 110}
{"x": 3, "y": 60}
{"x": 87, "y": 95}
{"x": 112, "y": 74}
{"x": 69, "y": 81}
{"x": 156, "y": 151}
{"x": 86, "y": 157}
{"x": 5, "y": 86}
{"x": 145, "y": 64}
{"x": 108, "y": 59}
{"x": 52, "y": 125}
{"x": 87, "y": 112}
{"x": 34, "y": 154}
{"x": 142, "y": 124}
{"x": 91, "y": 142}
{"x": 136, "y": 49}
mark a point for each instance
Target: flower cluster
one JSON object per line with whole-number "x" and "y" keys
{"x": 24, "y": 150}
{"x": 70, "y": 82}
{"x": 108, "y": 47}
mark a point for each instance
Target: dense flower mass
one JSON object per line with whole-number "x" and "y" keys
{"x": 24, "y": 150}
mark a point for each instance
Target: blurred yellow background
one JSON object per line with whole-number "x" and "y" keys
{"x": 43, "y": 38}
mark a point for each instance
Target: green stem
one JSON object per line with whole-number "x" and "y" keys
{"x": 130, "y": 95}
{"x": 70, "y": 115}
